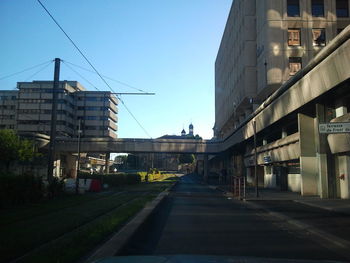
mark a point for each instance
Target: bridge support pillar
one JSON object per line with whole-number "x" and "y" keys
{"x": 308, "y": 160}
{"x": 108, "y": 155}
{"x": 71, "y": 166}
{"x": 322, "y": 153}
{"x": 205, "y": 167}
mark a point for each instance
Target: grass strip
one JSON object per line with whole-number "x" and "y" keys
{"x": 12, "y": 215}
{"x": 78, "y": 243}
{"x": 65, "y": 215}
{"x": 18, "y": 239}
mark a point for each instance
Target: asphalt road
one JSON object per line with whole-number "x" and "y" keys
{"x": 195, "y": 219}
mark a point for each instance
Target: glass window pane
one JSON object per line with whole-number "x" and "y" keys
{"x": 294, "y": 37}
{"x": 319, "y": 37}
{"x": 293, "y": 8}
{"x": 317, "y": 8}
{"x": 294, "y": 65}
{"x": 342, "y": 7}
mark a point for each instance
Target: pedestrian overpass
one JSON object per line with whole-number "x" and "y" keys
{"x": 109, "y": 145}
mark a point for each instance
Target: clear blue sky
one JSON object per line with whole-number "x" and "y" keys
{"x": 163, "y": 46}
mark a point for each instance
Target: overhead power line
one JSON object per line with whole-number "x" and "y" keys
{"x": 76, "y": 72}
{"x": 94, "y": 86}
{"x": 24, "y": 70}
{"x": 77, "y": 48}
{"x": 115, "y": 80}
{"x": 132, "y": 115}
{"x": 91, "y": 65}
{"x": 41, "y": 69}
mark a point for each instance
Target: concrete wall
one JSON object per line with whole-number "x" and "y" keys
{"x": 235, "y": 67}
{"x": 294, "y": 182}
{"x": 343, "y": 174}
{"x": 308, "y": 165}
{"x": 270, "y": 180}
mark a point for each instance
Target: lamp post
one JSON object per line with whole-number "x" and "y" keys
{"x": 78, "y": 159}
{"x": 255, "y": 162}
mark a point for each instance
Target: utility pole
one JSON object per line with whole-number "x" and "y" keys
{"x": 52, "y": 146}
{"x": 255, "y": 162}
{"x": 78, "y": 159}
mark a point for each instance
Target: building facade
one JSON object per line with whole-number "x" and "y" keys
{"x": 264, "y": 44}
{"x": 293, "y": 59}
{"x": 28, "y": 109}
{"x": 8, "y": 104}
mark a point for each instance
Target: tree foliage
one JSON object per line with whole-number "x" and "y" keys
{"x": 186, "y": 158}
{"x": 13, "y": 148}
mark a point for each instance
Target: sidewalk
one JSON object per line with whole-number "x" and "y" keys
{"x": 334, "y": 205}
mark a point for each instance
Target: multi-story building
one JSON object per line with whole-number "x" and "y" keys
{"x": 28, "y": 109}
{"x": 265, "y": 42}
{"x": 279, "y": 74}
{"x": 8, "y": 103}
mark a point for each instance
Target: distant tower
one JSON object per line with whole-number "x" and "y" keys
{"x": 183, "y": 133}
{"x": 191, "y": 129}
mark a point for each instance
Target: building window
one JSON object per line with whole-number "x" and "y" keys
{"x": 319, "y": 37}
{"x": 342, "y": 7}
{"x": 317, "y": 7}
{"x": 294, "y": 65}
{"x": 92, "y": 99}
{"x": 91, "y": 118}
{"x": 293, "y": 37}
{"x": 293, "y": 8}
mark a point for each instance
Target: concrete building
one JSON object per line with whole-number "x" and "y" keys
{"x": 8, "y": 103}
{"x": 235, "y": 67}
{"x": 265, "y": 42}
{"x": 28, "y": 109}
{"x": 267, "y": 71}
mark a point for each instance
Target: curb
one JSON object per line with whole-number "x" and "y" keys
{"x": 339, "y": 245}
{"x": 119, "y": 240}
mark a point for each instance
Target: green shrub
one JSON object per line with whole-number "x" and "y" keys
{"x": 20, "y": 189}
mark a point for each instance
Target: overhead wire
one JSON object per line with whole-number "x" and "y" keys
{"x": 65, "y": 62}
{"x": 80, "y": 75}
{"x": 77, "y": 48}
{"x": 134, "y": 117}
{"x": 115, "y": 80}
{"x": 24, "y": 70}
{"x": 37, "y": 72}
{"x": 92, "y": 66}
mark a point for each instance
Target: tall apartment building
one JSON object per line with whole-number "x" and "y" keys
{"x": 29, "y": 109}
{"x": 8, "y": 103}
{"x": 265, "y": 42}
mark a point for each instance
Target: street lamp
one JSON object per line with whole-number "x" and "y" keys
{"x": 255, "y": 162}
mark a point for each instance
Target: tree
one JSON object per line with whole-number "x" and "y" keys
{"x": 186, "y": 158}
{"x": 197, "y": 137}
{"x": 13, "y": 148}
{"x": 132, "y": 161}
